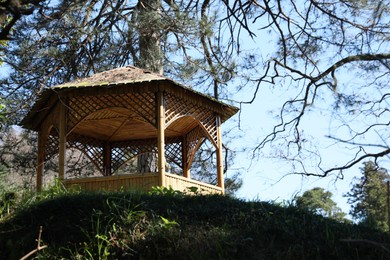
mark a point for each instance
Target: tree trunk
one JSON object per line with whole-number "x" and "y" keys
{"x": 149, "y": 33}
{"x": 150, "y": 58}
{"x": 147, "y": 162}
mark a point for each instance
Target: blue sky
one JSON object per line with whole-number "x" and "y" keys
{"x": 268, "y": 179}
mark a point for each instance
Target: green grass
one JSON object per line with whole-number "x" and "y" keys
{"x": 139, "y": 226}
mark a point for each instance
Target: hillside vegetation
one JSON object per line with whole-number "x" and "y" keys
{"x": 167, "y": 225}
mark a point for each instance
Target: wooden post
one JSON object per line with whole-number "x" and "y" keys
{"x": 107, "y": 159}
{"x": 62, "y": 141}
{"x": 41, "y": 160}
{"x": 161, "y": 137}
{"x": 186, "y": 171}
{"x": 220, "y": 177}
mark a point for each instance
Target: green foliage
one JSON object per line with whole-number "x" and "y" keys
{"x": 159, "y": 190}
{"x": 98, "y": 245}
{"x": 193, "y": 190}
{"x": 17, "y": 199}
{"x": 7, "y": 203}
{"x": 54, "y": 190}
{"x": 141, "y": 226}
{"x": 368, "y": 197}
{"x": 169, "y": 191}
{"x": 168, "y": 223}
{"x": 7, "y": 193}
{"x": 319, "y": 201}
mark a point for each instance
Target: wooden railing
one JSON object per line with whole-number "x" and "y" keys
{"x": 137, "y": 182}
{"x": 140, "y": 182}
{"x": 183, "y": 184}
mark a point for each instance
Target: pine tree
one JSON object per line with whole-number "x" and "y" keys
{"x": 368, "y": 197}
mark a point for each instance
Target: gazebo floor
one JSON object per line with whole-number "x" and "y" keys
{"x": 140, "y": 182}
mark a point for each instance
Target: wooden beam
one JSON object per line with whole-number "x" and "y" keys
{"x": 220, "y": 177}
{"x": 161, "y": 136}
{"x": 62, "y": 141}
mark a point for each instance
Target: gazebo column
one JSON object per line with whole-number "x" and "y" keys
{"x": 107, "y": 159}
{"x": 62, "y": 140}
{"x": 220, "y": 177}
{"x": 161, "y": 137}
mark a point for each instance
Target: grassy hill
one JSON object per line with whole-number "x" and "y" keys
{"x": 139, "y": 226}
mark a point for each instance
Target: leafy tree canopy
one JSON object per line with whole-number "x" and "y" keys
{"x": 368, "y": 197}
{"x": 319, "y": 201}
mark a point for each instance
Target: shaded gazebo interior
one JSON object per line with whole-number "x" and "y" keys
{"x": 115, "y": 116}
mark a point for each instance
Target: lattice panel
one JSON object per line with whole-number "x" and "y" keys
{"x": 143, "y": 104}
{"x": 52, "y": 144}
{"x": 121, "y": 152}
{"x": 92, "y": 148}
{"x": 79, "y": 108}
{"x": 176, "y": 107}
{"x": 210, "y": 123}
{"x": 173, "y": 151}
{"x": 194, "y": 140}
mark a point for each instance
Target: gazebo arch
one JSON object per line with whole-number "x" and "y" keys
{"x": 115, "y": 115}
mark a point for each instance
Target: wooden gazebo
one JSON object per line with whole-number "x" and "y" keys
{"x": 122, "y": 113}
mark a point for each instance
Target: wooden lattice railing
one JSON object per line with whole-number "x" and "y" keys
{"x": 140, "y": 182}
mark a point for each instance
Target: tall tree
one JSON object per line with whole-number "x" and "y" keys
{"x": 368, "y": 197}
{"x": 319, "y": 201}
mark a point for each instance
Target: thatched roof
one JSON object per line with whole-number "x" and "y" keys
{"x": 118, "y": 76}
